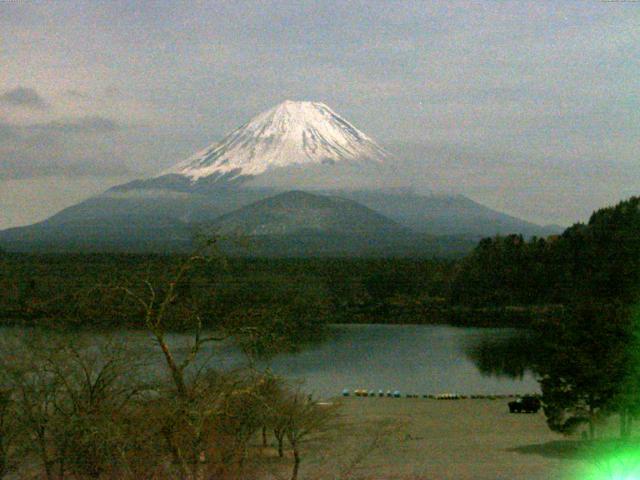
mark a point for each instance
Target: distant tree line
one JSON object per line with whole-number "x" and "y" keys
{"x": 69, "y": 289}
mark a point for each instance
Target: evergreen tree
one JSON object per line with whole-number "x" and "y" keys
{"x": 585, "y": 365}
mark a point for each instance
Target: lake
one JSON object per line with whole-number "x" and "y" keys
{"x": 418, "y": 359}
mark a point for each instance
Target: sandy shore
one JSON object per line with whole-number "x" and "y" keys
{"x": 383, "y": 438}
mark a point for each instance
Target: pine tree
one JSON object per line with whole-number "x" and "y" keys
{"x": 585, "y": 366}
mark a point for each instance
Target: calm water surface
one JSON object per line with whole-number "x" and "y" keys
{"x": 420, "y": 359}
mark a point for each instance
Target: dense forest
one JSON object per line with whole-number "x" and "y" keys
{"x": 597, "y": 260}
{"x": 505, "y": 281}
{"x": 74, "y": 289}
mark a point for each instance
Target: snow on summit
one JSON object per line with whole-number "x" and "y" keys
{"x": 291, "y": 133}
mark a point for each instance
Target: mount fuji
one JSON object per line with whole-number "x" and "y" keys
{"x": 290, "y": 134}
{"x": 335, "y": 170}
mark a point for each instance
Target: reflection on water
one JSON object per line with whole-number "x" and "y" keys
{"x": 510, "y": 356}
{"x": 419, "y": 359}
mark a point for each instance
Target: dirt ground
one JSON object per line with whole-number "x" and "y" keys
{"x": 386, "y": 438}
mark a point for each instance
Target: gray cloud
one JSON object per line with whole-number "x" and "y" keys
{"x": 23, "y": 97}
{"x": 7, "y": 132}
{"x": 89, "y": 124}
{"x": 110, "y": 93}
{"x": 29, "y": 165}
{"x": 78, "y": 94}
{"x": 73, "y": 147}
{"x": 92, "y": 124}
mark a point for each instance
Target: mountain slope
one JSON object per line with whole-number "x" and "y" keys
{"x": 291, "y": 133}
{"x": 446, "y": 214}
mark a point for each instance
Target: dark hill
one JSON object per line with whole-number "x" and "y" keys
{"x": 301, "y": 212}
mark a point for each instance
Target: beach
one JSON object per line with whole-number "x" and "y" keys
{"x": 415, "y": 438}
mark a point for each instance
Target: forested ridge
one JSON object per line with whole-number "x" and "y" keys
{"x": 597, "y": 260}
{"x": 506, "y": 280}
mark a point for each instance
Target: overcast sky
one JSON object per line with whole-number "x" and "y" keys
{"x": 532, "y": 108}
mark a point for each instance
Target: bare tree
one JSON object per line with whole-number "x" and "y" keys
{"x": 71, "y": 402}
{"x": 303, "y": 418}
{"x": 34, "y": 391}
{"x": 197, "y": 408}
{"x": 184, "y": 418}
{"x": 96, "y": 387}
{"x": 156, "y": 306}
{"x": 8, "y": 431}
{"x": 202, "y": 407}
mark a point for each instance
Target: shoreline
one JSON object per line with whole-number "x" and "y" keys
{"x": 454, "y": 316}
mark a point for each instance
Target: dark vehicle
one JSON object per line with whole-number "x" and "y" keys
{"x": 526, "y": 404}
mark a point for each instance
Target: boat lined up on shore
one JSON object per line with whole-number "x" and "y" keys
{"x": 362, "y": 392}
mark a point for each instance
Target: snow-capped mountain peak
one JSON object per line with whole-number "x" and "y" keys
{"x": 291, "y": 133}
